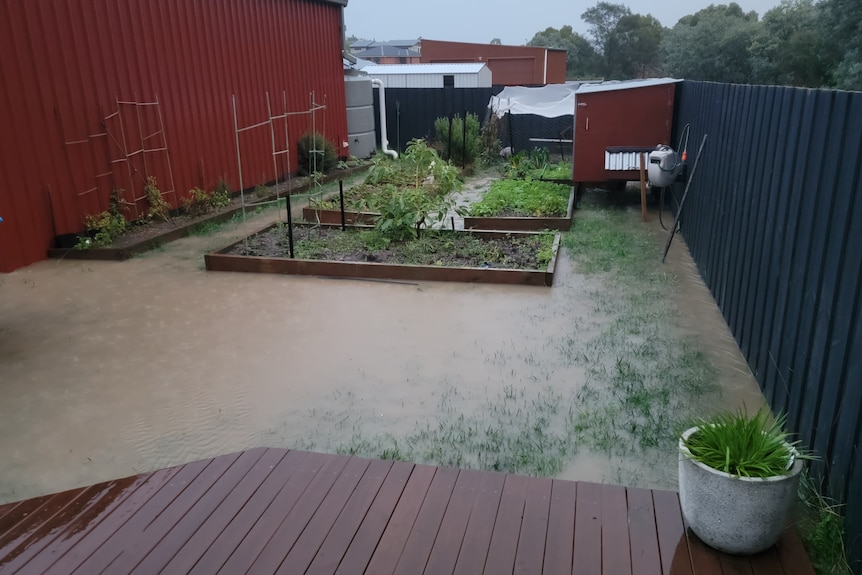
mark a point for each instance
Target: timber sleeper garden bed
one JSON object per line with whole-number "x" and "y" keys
{"x": 523, "y": 205}
{"x": 140, "y": 239}
{"x": 526, "y": 258}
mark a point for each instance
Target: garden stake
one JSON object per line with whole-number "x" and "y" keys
{"x": 341, "y": 198}
{"x": 449, "y": 148}
{"x": 464, "y": 141}
{"x": 289, "y": 226}
{"x": 684, "y": 194}
{"x": 452, "y": 219}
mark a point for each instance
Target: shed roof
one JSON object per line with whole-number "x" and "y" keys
{"x": 387, "y": 51}
{"x": 453, "y": 68}
{"x": 625, "y": 85}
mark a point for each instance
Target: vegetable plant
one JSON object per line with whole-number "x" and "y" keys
{"x": 523, "y": 197}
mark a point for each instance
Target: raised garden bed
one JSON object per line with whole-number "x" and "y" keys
{"x": 524, "y": 223}
{"x": 265, "y": 252}
{"x": 143, "y": 238}
{"x": 327, "y": 216}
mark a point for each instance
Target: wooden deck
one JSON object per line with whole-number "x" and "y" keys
{"x": 279, "y": 511}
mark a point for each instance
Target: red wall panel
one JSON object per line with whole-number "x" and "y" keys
{"x": 65, "y": 65}
{"x": 510, "y": 65}
{"x": 632, "y": 117}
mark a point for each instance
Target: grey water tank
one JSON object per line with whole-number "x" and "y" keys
{"x": 360, "y": 115}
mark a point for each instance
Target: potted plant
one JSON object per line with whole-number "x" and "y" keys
{"x": 738, "y": 477}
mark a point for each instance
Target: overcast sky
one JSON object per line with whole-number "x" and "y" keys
{"x": 482, "y": 20}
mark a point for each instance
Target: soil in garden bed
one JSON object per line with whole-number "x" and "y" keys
{"x": 432, "y": 248}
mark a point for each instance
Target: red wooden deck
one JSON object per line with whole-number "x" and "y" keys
{"x": 279, "y": 511}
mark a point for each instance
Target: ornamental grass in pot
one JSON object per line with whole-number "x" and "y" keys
{"x": 738, "y": 479}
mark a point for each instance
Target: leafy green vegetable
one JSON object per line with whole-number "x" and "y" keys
{"x": 523, "y": 197}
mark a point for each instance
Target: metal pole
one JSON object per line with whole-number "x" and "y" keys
{"x": 238, "y": 157}
{"x": 341, "y": 200}
{"x": 684, "y": 194}
{"x": 449, "y": 148}
{"x": 464, "y": 141}
{"x": 289, "y": 228}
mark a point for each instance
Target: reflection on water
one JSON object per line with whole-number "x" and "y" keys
{"x": 111, "y": 369}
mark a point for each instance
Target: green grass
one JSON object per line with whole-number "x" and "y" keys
{"x": 743, "y": 445}
{"x": 530, "y": 198}
{"x": 821, "y": 526}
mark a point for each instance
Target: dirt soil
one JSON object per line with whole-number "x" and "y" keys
{"x": 432, "y": 248}
{"x": 109, "y": 369}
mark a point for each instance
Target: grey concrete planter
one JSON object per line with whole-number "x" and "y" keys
{"x": 738, "y": 515}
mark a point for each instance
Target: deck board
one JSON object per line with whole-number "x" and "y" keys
{"x": 530, "y": 555}
{"x": 447, "y": 545}
{"x": 218, "y": 552}
{"x": 275, "y": 510}
{"x": 417, "y": 548}
{"x": 507, "y": 528}
{"x": 483, "y": 516}
{"x": 645, "y": 559}
{"x": 588, "y": 531}
{"x": 560, "y": 539}
{"x": 675, "y": 558}
{"x": 335, "y": 546}
{"x": 371, "y": 530}
{"x": 388, "y": 550}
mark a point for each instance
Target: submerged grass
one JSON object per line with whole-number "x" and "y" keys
{"x": 639, "y": 382}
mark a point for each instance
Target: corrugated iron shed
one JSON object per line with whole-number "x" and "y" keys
{"x": 432, "y": 75}
{"x": 80, "y": 83}
{"x": 621, "y": 118}
{"x": 510, "y": 65}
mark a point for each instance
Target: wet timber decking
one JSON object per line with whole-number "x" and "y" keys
{"x": 280, "y": 511}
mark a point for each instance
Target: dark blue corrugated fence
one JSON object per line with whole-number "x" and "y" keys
{"x": 410, "y": 112}
{"x": 774, "y": 222}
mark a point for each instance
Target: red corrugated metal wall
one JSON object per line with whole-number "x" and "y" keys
{"x": 637, "y": 117}
{"x": 510, "y": 65}
{"x": 64, "y": 65}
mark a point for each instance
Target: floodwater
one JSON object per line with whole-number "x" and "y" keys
{"x": 111, "y": 369}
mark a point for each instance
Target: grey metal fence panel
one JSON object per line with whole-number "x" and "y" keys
{"x": 774, "y": 222}
{"x": 411, "y": 112}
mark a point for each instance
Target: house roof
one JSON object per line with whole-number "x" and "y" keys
{"x": 624, "y": 85}
{"x": 384, "y": 51}
{"x": 459, "y": 68}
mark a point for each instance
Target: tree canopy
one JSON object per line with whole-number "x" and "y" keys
{"x": 814, "y": 43}
{"x": 581, "y": 60}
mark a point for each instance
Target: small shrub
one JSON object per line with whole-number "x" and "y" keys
{"x": 454, "y": 148}
{"x": 105, "y": 227}
{"x": 489, "y": 142}
{"x": 316, "y": 154}
{"x": 197, "y": 203}
{"x": 220, "y": 198}
{"x": 158, "y": 206}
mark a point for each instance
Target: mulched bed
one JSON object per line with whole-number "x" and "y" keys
{"x": 432, "y": 248}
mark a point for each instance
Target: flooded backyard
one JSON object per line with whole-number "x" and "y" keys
{"x": 112, "y": 369}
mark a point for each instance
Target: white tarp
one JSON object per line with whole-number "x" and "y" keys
{"x": 551, "y": 101}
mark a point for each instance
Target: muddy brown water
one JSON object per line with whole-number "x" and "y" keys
{"x": 111, "y": 369}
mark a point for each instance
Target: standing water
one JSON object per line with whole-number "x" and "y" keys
{"x": 112, "y": 369}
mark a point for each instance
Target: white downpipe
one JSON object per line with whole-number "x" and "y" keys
{"x": 384, "y": 143}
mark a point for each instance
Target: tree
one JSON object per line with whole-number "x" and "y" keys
{"x": 581, "y": 59}
{"x": 711, "y": 44}
{"x": 635, "y": 42}
{"x": 603, "y": 19}
{"x": 787, "y": 48}
{"x": 496, "y": 42}
{"x": 840, "y": 25}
